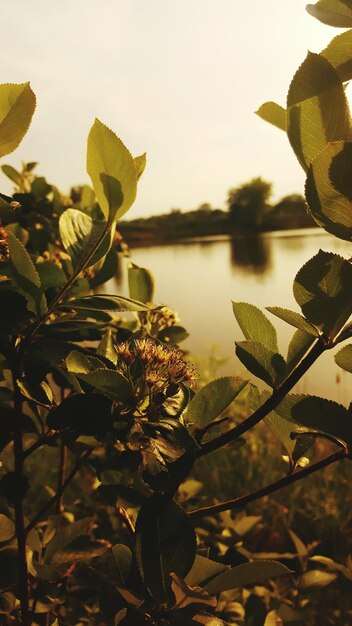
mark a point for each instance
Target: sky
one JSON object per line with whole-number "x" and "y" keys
{"x": 178, "y": 79}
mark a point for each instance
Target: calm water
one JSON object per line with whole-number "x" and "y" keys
{"x": 199, "y": 279}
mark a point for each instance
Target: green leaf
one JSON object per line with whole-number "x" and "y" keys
{"x": 322, "y": 288}
{"x": 317, "y": 109}
{"x": 80, "y": 234}
{"x": 328, "y": 189}
{"x": 316, "y": 578}
{"x": 294, "y": 319}
{"x": 108, "y": 303}
{"x": 213, "y": 399}
{"x": 86, "y": 413}
{"x": 318, "y": 414}
{"x": 112, "y": 170}
{"x": 119, "y": 565}
{"x": 12, "y": 174}
{"x": 106, "y": 347}
{"x": 165, "y": 543}
{"x": 274, "y": 114}
{"x": 247, "y": 574}
{"x": 80, "y": 363}
{"x": 141, "y": 283}
{"x": 202, "y": 570}
{"x": 7, "y": 528}
{"x": 344, "y": 358}
{"x": 173, "y": 335}
{"x": 282, "y": 429}
{"x": 65, "y": 535}
{"x": 20, "y": 268}
{"x": 338, "y": 53}
{"x": 140, "y": 163}
{"x": 185, "y": 595}
{"x": 17, "y": 105}
{"x": 51, "y": 276}
{"x": 263, "y": 363}
{"x": 298, "y": 347}
{"x": 255, "y": 325}
{"x": 332, "y": 12}
{"x": 108, "y": 270}
{"x": 110, "y": 383}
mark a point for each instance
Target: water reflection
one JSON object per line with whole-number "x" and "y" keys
{"x": 252, "y": 254}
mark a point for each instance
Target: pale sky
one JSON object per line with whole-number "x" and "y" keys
{"x": 179, "y": 79}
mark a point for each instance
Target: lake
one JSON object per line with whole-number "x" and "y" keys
{"x": 199, "y": 278}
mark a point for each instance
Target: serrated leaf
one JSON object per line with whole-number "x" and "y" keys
{"x": 294, "y": 319}
{"x": 203, "y": 569}
{"x": 140, "y": 163}
{"x": 322, "y": 290}
{"x": 80, "y": 234}
{"x": 328, "y": 189}
{"x": 106, "y": 347}
{"x": 112, "y": 170}
{"x": 17, "y": 105}
{"x": 332, "y": 12}
{"x": 255, "y": 325}
{"x": 298, "y": 347}
{"x": 247, "y": 574}
{"x": 141, "y": 283}
{"x": 110, "y": 383}
{"x": 79, "y": 363}
{"x": 213, "y": 399}
{"x": 274, "y": 114}
{"x": 108, "y": 303}
{"x": 282, "y": 429}
{"x": 317, "y": 109}
{"x": 267, "y": 365}
{"x": 51, "y": 276}
{"x": 20, "y": 268}
{"x": 165, "y": 543}
{"x": 338, "y": 53}
{"x": 344, "y": 358}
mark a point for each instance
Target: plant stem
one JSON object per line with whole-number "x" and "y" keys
{"x": 60, "y": 491}
{"x": 19, "y": 515}
{"x": 277, "y": 396}
{"x": 61, "y": 477}
{"x": 240, "y": 502}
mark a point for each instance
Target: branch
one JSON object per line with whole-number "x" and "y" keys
{"x": 60, "y": 491}
{"x": 265, "y": 491}
{"x": 42, "y": 441}
{"x": 277, "y": 396}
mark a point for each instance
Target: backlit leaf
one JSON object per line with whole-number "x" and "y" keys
{"x": 141, "y": 283}
{"x": 317, "y": 110}
{"x": 263, "y": 363}
{"x": 344, "y": 358}
{"x": 293, "y": 318}
{"x": 108, "y": 303}
{"x": 17, "y": 105}
{"x": 316, "y": 578}
{"x": 298, "y": 347}
{"x": 112, "y": 170}
{"x": 322, "y": 288}
{"x": 255, "y": 325}
{"x": 338, "y": 53}
{"x": 20, "y": 268}
{"x": 106, "y": 347}
{"x": 140, "y": 163}
{"x": 328, "y": 189}
{"x": 80, "y": 234}
{"x": 213, "y": 399}
{"x": 274, "y": 114}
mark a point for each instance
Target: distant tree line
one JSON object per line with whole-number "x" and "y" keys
{"x": 248, "y": 212}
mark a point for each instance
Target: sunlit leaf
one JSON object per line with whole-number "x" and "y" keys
{"x": 185, "y": 595}
{"x": 140, "y": 163}
{"x": 213, "y": 399}
{"x": 294, "y": 319}
{"x": 274, "y": 114}
{"x": 108, "y": 303}
{"x": 263, "y": 363}
{"x": 141, "y": 283}
{"x": 298, "y": 347}
{"x": 106, "y": 347}
{"x": 80, "y": 234}
{"x": 51, "y": 276}
{"x": 20, "y": 268}
{"x": 112, "y": 170}
{"x": 338, "y": 53}
{"x": 316, "y": 578}
{"x": 317, "y": 110}
{"x": 328, "y": 189}
{"x": 255, "y": 325}
{"x": 344, "y": 358}
{"x": 17, "y": 105}
{"x": 203, "y": 569}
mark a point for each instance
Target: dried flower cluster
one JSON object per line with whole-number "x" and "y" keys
{"x": 4, "y": 246}
{"x": 163, "y": 365}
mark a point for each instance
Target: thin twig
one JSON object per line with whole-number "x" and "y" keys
{"x": 237, "y": 503}
{"x": 61, "y": 477}
{"x": 55, "y": 497}
{"x": 277, "y": 396}
{"x": 42, "y": 441}
{"x": 122, "y": 513}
